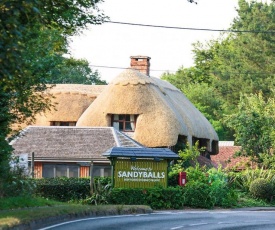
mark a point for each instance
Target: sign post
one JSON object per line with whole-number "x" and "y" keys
{"x": 140, "y": 167}
{"x": 91, "y": 178}
{"x": 140, "y": 173}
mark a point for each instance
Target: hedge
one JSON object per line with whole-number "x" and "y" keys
{"x": 195, "y": 194}
{"x": 66, "y": 189}
{"x": 156, "y": 197}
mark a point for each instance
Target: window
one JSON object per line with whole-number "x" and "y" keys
{"x": 60, "y": 170}
{"x": 62, "y": 123}
{"x": 102, "y": 171}
{"x": 124, "y": 122}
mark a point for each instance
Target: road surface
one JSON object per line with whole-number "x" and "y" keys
{"x": 176, "y": 220}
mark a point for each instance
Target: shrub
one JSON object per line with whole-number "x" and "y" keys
{"x": 65, "y": 189}
{"x": 267, "y": 160}
{"x": 220, "y": 188}
{"x": 18, "y": 186}
{"x": 165, "y": 198}
{"x": 100, "y": 193}
{"x": 223, "y": 194}
{"x": 173, "y": 178}
{"x": 198, "y": 195}
{"x": 197, "y": 173}
{"x": 128, "y": 196}
{"x": 208, "y": 188}
{"x": 156, "y": 197}
{"x": 195, "y": 194}
{"x": 14, "y": 177}
{"x": 188, "y": 156}
{"x": 261, "y": 188}
{"x": 242, "y": 180}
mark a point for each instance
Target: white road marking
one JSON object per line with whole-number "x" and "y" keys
{"x": 225, "y": 223}
{"x": 255, "y": 221}
{"x": 197, "y": 224}
{"x": 141, "y": 215}
{"x": 177, "y": 212}
{"x": 163, "y": 213}
{"x": 177, "y": 227}
{"x": 158, "y": 213}
{"x": 79, "y": 220}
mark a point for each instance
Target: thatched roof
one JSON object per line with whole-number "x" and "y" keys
{"x": 55, "y": 143}
{"x": 163, "y": 111}
{"x": 70, "y": 101}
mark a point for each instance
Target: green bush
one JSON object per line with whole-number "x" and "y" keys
{"x": 198, "y": 195}
{"x": 18, "y": 186}
{"x": 165, "y": 198}
{"x": 242, "y": 180}
{"x": 197, "y": 173}
{"x": 195, "y": 194}
{"x": 156, "y": 197}
{"x": 261, "y": 188}
{"x": 128, "y": 196}
{"x": 100, "y": 194}
{"x": 16, "y": 181}
{"x": 188, "y": 158}
{"x": 173, "y": 178}
{"x": 224, "y": 194}
{"x": 66, "y": 189}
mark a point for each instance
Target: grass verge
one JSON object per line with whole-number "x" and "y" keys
{"x": 245, "y": 200}
{"x": 25, "y": 202}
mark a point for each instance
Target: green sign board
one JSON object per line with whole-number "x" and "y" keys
{"x": 142, "y": 173}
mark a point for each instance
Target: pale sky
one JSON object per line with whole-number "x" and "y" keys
{"x": 112, "y": 44}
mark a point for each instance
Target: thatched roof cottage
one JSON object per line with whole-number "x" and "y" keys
{"x": 70, "y": 101}
{"x": 144, "y": 109}
{"x": 152, "y": 111}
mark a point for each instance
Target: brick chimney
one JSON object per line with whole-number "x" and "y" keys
{"x": 141, "y": 63}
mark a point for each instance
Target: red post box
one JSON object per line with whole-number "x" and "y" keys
{"x": 182, "y": 178}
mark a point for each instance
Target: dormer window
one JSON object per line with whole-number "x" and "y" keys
{"x": 62, "y": 123}
{"x": 124, "y": 122}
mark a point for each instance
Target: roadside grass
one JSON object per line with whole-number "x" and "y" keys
{"x": 245, "y": 200}
{"x": 25, "y": 202}
{"x": 19, "y": 210}
{"x": 16, "y": 211}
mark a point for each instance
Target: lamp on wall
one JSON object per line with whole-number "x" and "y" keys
{"x": 157, "y": 159}
{"x": 133, "y": 158}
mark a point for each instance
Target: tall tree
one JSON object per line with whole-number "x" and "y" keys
{"x": 254, "y": 125}
{"x": 47, "y": 61}
{"x": 72, "y": 71}
{"x": 237, "y": 63}
{"x": 244, "y": 61}
{"x": 24, "y": 63}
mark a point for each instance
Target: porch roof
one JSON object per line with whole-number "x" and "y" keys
{"x": 162, "y": 153}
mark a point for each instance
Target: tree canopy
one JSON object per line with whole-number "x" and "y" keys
{"x": 254, "y": 125}
{"x": 33, "y": 40}
{"x": 237, "y": 63}
{"x": 73, "y": 71}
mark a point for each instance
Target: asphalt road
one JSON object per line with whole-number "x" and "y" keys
{"x": 173, "y": 220}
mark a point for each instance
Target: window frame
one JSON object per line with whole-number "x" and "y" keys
{"x": 124, "y": 121}
{"x": 62, "y": 123}
{"x": 60, "y": 164}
